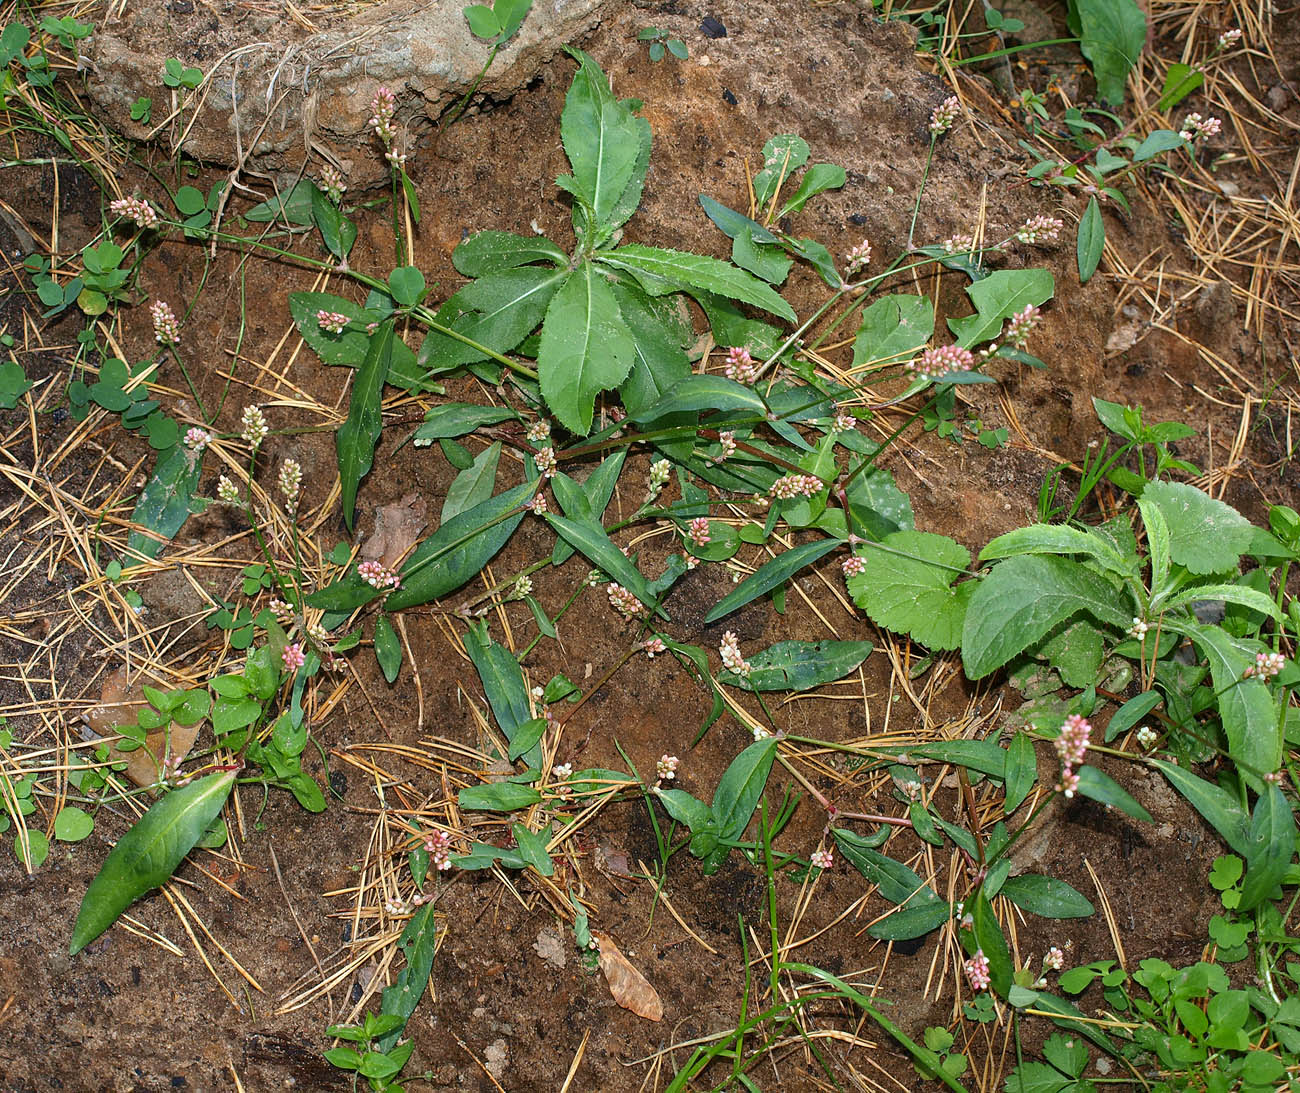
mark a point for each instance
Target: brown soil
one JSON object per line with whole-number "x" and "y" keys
{"x": 126, "y": 1015}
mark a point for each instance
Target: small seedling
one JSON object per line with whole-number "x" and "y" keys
{"x": 662, "y": 43}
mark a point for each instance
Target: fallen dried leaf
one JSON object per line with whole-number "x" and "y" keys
{"x": 119, "y": 704}
{"x": 630, "y": 988}
{"x": 397, "y": 526}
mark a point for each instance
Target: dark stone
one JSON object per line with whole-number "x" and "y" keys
{"x": 711, "y": 28}
{"x": 728, "y": 97}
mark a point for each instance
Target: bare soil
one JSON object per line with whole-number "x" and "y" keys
{"x": 128, "y": 1015}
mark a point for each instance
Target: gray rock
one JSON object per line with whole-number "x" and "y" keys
{"x": 275, "y": 91}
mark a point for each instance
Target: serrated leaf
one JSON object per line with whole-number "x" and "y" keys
{"x": 676, "y": 271}
{"x": 1205, "y": 535}
{"x": 356, "y": 438}
{"x": 586, "y": 348}
{"x": 1022, "y": 599}
{"x": 1271, "y": 847}
{"x": 602, "y": 142}
{"x": 498, "y": 311}
{"x": 1046, "y": 896}
{"x": 907, "y": 586}
{"x": 474, "y": 485}
{"x": 493, "y": 251}
{"x": 771, "y": 574}
{"x": 1075, "y": 650}
{"x": 799, "y": 665}
{"x": 460, "y": 548}
{"x": 1058, "y": 539}
{"x": 388, "y": 649}
{"x": 893, "y": 329}
{"x": 997, "y": 297}
{"x": 147, "y": 855}
{"x": 660, "y": 335}
{"x": 1091, "y": 241}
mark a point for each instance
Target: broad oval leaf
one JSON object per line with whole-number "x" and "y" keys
{"x": 907, "y": 586}
{"x": 1205, "y": 535}
{"x": 1046, "y": 896}
{"x": 147, "y": 855}
{"x": 1111, "y": 35}
{"x": 893, "y": 329}
{"x": 799, "y": 665}
{"x": 1022, "y": 599}
{"x": 770, "y": 575}
{"x": 474, "y": 484}
{"x": 686, "y": 809}
{"x": 997, "y": 297}
{"x": 492, "y": 251}
{"x": 677, "y": 271}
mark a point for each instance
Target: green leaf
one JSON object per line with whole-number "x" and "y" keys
{"x": 597, "y": 491}
{"x": 482, "y": 20}
{"x": 1205, "y": 535}
{"x": 1241, "y": 595}
{"x": 525, "y": 737}
{"x": 590, "y": 538}
{"x": 460, "y": 548}
{"x": 771, "y": 574}
{"x": 356, "y": 438}
{"x": 685, "y": 809}
{"x": 14, "y": 384}
{"x": 782, "y": 156}
{"x": 997, "y": 297}
{"x": 165, "y": 503}
{"x": 498, "y": 797}
{"x": 1111, "y": 33}
{"x": 418, "y": 943}
{"x": 348, "y": 348}
{"x": 1162, "y": 140}
{"x": 474, "y": 485}
{"x": 1075, "y": 650}
{"x": 1102, "y": 787}
{"x": 819, "y": 178}
{"x": 147, "y": 855}
{"x": 532, "y": 848}
{"x": 1129, "y": 714}
{"x": 697, "y": 392}
{"x": 293, "y": 207}
{"x": 1246, "y": 708}
{"x": 1046, "y": 896}
{"x": 458, "y": 418}
{"x": 388, "y": 649}
{"x": 982, "y": 755}
{"x": 896, "y": 882}
{"x": 674, "y": 271}
{"x": 603, "y": 143}
{"x": 1021, "y": 771}
{"x": 741, "y": 786}
{"x": 37, "y": 849}
{"x": 503, "y": 683}
{"x": 189, "y": 201}
{"x": 761, "y": 259}
{"x": 907, "y": 586}
{"x": 498, "y": 311}
{"x": 1022, "y": 599}
{"x": 989, "y": 938}
{"x": 493, "y": 251}
{"x": 893, "y": 329}
{"x": 732, "y": 224}
{"x": 1217, "y": 807}
{"x": 336, "y": 231}
{"x": 911, "y": 921}
{"x": 1270, "y": 848}
{"x": 586, "y": 348}
{"x": 345, "y": 1058}
{"x": 799, "y": 665}
{"x": 660, "y": 334}
{"x": 73, "y": 824}
{"x": 1091, "y": 240}
{"x": 1180, "y": 81}
{"x": 406, "y": 284}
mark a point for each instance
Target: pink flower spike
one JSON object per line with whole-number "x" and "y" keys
{"x": 293, "y": 657}
{"x": 700, "y": 531}
{"x": 977, "y": 971}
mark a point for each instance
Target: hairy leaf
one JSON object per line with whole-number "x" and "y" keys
{"x": 907, "y": 586}
{"x": 676, "y": 271}
{"x": 493, "y": 251}
{"x": 1205, "y": 535}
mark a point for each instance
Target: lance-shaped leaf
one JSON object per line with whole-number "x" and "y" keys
{"x": 740, "y": 787}
{"x": 474, "y": 484}
{"x": 597, "y": 492}
{"x": 503, "y": 683}
{"x": 165, "y": 503}
{"x": 357, "y": 437}
{"x": 799, "y": 665}
{"x": 698, "y": 392}
{"x": 770, "y": 575}
{"x": 460, "y": 548}
{"x": 585, "y": 348}
{"x": 590, "y": 539}
{"x": 419, "y": 942}
{"x": 147, "y": 855}
{"x": 819, "y": 178}
{"x": 675, "y": 271}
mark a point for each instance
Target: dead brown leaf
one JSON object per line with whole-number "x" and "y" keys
{"x": 630, "y": 988}
{"x": 119, "y": 704}
{"x": 397, "y": 526}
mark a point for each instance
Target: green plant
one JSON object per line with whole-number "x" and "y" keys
{"x": 662, "y": 43}
{"x": 368, "y": 1060}
{"x": 176, "y": 75}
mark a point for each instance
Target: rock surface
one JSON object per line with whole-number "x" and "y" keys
{"x": 277, "y": 90}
